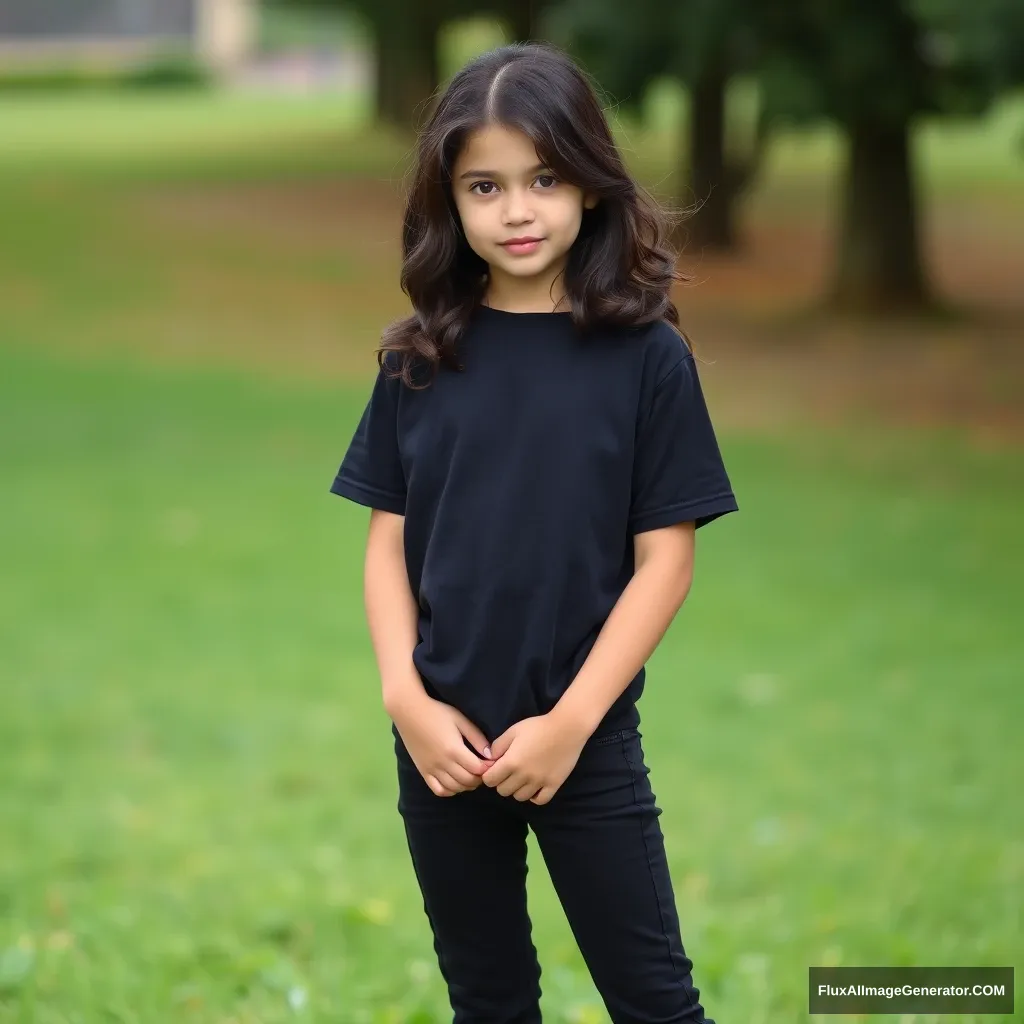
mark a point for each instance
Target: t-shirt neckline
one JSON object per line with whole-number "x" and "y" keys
{"x": 528, "y": 314}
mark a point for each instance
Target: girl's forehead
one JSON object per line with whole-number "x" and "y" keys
{"x": 495, "y": 148}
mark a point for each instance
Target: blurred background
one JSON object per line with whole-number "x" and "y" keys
{"x": 200, "y": 211}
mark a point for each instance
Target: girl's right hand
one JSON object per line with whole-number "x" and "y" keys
{"x": 433, "y": 733}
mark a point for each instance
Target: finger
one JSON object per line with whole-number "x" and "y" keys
{"x": 470, "y": 762}
{"x": 462, "y": 776}
{"x": 436, "y": 788}
{"x": 448, "y": 782}
{"x": 527, "y": 792}
{"x": 475, "y": 736}
{"x": 500, "y": 746}
{"x": 543, "y": 796}
{"x": 511, "y": 785}
{"x": 497, "y": 774}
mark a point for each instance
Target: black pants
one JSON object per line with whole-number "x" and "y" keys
{"x": 603, "y": 847}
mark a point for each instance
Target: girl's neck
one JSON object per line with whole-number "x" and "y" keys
{"x": 546, "y": 296}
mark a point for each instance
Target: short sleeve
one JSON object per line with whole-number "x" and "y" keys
{"x": 678, "y": 472}
{"x": 371, "y": 471}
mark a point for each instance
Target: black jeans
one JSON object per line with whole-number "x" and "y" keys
{"x": 604, "y": 849}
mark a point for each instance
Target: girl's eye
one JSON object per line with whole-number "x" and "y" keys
{"x": 540, "y": 177}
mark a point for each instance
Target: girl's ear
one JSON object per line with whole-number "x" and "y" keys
{"x": 590, "y": 200}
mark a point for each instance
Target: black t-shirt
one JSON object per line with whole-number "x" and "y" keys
{"x": 523, "y": 479}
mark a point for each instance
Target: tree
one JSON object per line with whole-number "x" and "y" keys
{"x": 406, "y": 33}
{"x": 406, "y": 69}
{"x": 522, "y": 18}
{"x": 876, "y": 67}
{"x": 703, "y": 43}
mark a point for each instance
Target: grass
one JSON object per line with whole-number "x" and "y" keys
{"x": 198, "y": 806}
{"x": 174, "y": 135}
{"x": 197, "y": 816}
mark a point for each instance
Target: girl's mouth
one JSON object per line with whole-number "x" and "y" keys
{"x": 522, "y": 248}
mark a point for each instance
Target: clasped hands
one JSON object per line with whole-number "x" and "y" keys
{"x": 529, "y": 761}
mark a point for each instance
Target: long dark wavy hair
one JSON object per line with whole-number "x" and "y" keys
{"x": 620, "y": 267}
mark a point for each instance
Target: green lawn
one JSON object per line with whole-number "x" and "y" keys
{"x": 197, "y": 792}
{"x": 198, "y": 801}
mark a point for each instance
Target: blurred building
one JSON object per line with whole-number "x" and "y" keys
{"x": 221, "y": 33}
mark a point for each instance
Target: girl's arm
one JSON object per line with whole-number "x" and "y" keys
{"x": 645, "y": 609}
{"x": 391, "y": 610}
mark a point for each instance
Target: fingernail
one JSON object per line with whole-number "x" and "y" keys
{"x": 487, "y": 753}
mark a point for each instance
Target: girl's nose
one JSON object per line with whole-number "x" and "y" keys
{"x": 517, "y": 207}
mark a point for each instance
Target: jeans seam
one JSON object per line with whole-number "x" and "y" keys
{"x": 654, "y": 885}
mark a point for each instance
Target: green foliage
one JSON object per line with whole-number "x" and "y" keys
{"x": 842, "y": 59}
{"x": 623, "y": 55}
{"x": 170, "y": 72}
{"x": 877, "y": 61}
{"x": 986, "y": 36}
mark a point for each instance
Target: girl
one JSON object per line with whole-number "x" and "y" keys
{"x": 537, "y": 454}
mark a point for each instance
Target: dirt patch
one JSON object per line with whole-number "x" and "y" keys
{"x": 773, "y": 357}
{"x": 965, "y": 377}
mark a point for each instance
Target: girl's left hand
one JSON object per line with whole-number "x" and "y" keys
{"x": 533, "y": 758}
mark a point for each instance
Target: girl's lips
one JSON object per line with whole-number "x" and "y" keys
{"x": 522, "y": 248}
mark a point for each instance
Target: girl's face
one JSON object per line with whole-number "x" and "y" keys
{"x": 503, "y": 192}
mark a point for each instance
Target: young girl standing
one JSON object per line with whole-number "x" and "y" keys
{"x": 537, "y": 454}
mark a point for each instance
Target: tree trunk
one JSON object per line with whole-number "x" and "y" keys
{"x": 520, "y": 16}
{"x": 879, "y": 258}
{"x": 712, "y": 225}
{"x": 407, "y": 71}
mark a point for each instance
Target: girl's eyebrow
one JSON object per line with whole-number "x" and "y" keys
{"x": 496, "y": 174}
